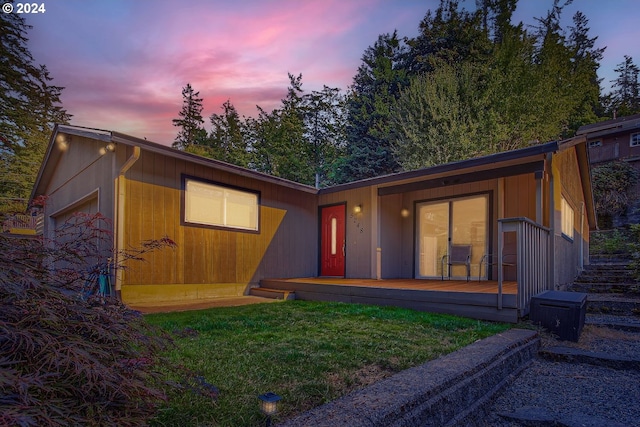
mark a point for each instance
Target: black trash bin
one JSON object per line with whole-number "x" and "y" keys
{"x": 561, "y": 313}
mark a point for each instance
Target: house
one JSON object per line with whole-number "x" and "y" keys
{"x": 238, "y": 229}
{"x": 617, "y": 139}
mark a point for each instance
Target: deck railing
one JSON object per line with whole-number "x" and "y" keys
{"x": 533, "y": 262}
{"x": 24, "y": 224}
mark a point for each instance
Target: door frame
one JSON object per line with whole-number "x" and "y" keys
{"x": 320, "y": 208}
{"x": 490, "y": 225}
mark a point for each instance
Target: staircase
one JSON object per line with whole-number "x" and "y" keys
{"x": 272, "y": 293}
{"x": 611, "y": 286}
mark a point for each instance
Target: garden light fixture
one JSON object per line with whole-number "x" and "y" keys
{"x": 269, "y": 405}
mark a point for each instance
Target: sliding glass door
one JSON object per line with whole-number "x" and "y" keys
{"x": 460, "y": 221}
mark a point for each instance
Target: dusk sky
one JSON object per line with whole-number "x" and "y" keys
{"x": 123, "y": 63}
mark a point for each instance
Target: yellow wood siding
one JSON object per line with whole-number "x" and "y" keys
{"x": 568, "y": 184}
{"x": 228, "y": 261}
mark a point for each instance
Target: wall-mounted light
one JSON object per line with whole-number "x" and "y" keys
{"x": 269, "y": 405}
{"x": 404, "y": 213}
{"x": 357, "y": 209}
{"x": 63, "y": 142}
{"x": 107, "y": 148}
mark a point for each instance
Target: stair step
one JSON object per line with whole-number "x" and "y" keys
{"x": 597, "y": 280}
{"x": 273, "y": 293}
{"x": 598, "y": 287}
{"x": 613, "y": 259}
{"x": 614, "y": 304}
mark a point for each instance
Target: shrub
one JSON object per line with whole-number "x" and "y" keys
{"x": 69, "y": 355}
{"x": 609, "y": 242}
{"x": 612, "y": 183}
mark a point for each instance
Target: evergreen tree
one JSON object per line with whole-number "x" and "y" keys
{"x": 190, "y": 121}
{"x": 625, "y": 95}
{"x": 325, "y": 130}
{"x": 375, "y": 88}
{"x": 531, "y": 88}
{"x": 29, "y": 107}
{"x": 278, "y": 138}
{"x": 226, "y": 141}
{"x": 451, "y": 35}
{"x": 585, "y": 63}
{"x": 439, "y": 117}
{"x": 496, "y": 16}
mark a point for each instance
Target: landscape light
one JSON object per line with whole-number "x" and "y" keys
{"x": 269, "y": 405}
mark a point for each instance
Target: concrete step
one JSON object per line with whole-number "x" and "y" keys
{"x": 273, "y": 293}
{"x": 614, "y": 304}
{"x": 609, "y": 259}
{"x": 614, "y": 288}
{"x": 456, "y": 389}
{"x": 605, "y": 278}
{"x": 576, "y": 355}
{"x": 620, "y": 265}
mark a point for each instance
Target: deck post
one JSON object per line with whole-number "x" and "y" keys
{"x": 532, "y": 258}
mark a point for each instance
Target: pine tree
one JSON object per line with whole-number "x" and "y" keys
{"x": 626, "y": 89}
{"x": 325, "y": 130}
{"x": 585, "y": 63}
{"x": 375, "y": 88}
{"x": 227, "y": 139}
{"x": 450, "y": 34}
{"x": 29, "y": 107}
{"x": 190, "y": 120}
{"x": 278, "y": 138}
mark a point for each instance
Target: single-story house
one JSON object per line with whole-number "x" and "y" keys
{"x": 520, "y": 220}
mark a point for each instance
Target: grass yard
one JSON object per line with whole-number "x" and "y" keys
{"x": 307, "y": 352}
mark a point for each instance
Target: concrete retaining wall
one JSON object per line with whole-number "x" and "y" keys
{"x": 451, "y": 390}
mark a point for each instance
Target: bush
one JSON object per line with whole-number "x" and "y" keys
{"x": 610, "y": 242}
{"x": 612, "y": 183}
{"x": 68, "y": 354}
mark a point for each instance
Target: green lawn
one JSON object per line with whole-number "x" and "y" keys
{"x": 307, "y": 352}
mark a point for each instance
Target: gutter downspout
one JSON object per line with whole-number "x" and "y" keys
{"x": 582, "y": 239}
{"x": 552, "y": 224}
{"x": 119, "y": 217}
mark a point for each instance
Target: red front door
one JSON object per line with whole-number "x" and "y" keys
{"x": 332, "y": 240}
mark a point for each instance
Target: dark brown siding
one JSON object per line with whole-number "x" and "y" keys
{"x": 613, "y": 147}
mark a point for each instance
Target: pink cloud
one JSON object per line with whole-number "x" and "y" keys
{"x": 124, "y": 63}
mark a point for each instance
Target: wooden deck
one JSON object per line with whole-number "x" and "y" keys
{"x": 475, "y": 299}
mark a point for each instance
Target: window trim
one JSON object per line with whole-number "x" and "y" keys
{"x": 635, "y": 136}
{"x": 567, "y": 220}
{"x": 192, "y": 222}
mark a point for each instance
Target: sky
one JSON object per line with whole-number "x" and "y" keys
{"x": 123, "y": 63}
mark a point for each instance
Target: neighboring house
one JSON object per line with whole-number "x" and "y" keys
{"x": 617, "y": 139}
{"x": 235, "y": 227}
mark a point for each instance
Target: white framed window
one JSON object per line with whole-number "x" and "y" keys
{"x": 593, "y": 144}
{"x": 216, "y": 205}
{"x": 634, "y": 140}
{"x": 567, "y": 218}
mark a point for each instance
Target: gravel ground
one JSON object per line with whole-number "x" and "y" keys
{"x": 575, "y": 394}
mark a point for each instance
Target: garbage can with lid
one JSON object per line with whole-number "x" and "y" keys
{"x": 561, "y": 313}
